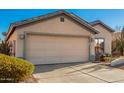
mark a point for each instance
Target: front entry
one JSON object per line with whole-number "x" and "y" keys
{"x": 99, "y": 48}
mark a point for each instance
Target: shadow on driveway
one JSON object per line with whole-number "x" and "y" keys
{"x": 50, "y": 67}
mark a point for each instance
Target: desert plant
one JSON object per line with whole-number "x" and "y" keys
{"x": 13, "y": 69}
{"x": 5, "y": 48}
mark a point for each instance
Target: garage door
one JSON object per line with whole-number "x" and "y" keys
{"x": 56, "y": 49}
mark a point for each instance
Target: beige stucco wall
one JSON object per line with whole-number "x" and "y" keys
{"x": 107, "y": 35}
{"x": 52, "y": 25}
{"x": 13, "y": 37}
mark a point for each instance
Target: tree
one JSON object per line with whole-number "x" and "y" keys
{"x": 120, "y": 42}
{"x": 5, "y": 48}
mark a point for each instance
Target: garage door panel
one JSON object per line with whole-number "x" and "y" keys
{"x": 35, "y": 53}
{"x": 56, "y": 49}
{"x": 73, "y": 59}
{"x": 34, "y": 59}
{"x": 43, "y": 60}
{"x": 51, "y": 59}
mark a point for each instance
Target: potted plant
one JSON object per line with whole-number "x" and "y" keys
{"x": 108, "y": 57}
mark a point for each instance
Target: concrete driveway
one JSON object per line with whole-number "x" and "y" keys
{"x": 78, "y": 73}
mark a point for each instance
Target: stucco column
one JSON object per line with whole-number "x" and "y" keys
{"x": 92, "y": 49}
{"x": 20, "y": 45}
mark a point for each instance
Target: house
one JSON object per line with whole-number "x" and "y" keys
{"x": 59, "y": 37}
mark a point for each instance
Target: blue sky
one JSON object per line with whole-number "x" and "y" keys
{"x": 112, "y": 17}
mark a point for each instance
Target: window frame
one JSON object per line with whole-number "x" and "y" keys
{"x": 62, "y": 19}
{"x": 103, "y": 43}
{"x": 14, "y": 47}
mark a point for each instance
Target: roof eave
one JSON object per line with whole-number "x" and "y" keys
{"x": 13, "y": 25}
{"x": 100, "y": 22}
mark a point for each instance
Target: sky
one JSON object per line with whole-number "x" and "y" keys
{"x": 111, "y": 17}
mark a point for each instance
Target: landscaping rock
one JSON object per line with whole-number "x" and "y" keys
{"x": 118, "y": 62}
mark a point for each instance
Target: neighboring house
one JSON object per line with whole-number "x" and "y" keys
{"x": 58, "y": 37}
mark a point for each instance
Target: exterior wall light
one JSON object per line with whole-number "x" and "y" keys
{"x": 22, "y": 36}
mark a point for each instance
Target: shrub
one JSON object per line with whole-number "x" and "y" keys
{"x": 14, "y": 69}
{"x": 108, "y": 55}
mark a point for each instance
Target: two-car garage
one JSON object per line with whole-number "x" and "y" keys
{"x": 47, "y": 49}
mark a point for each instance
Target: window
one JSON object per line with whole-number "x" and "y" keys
{"x": 10, "y": 44}
{"x": 62, "y": 19}
{"x": 99, "y": 45}
{"x": 14, "y": 47}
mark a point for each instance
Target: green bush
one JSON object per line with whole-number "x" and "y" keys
{"x": 14, "y": 69}
{"x": 108, "y": 55}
